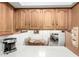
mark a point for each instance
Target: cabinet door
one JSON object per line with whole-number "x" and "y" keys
{"x": 22, "y": 19}
{"x": 6, "y": 18}
{"x": 69, "y": 15}
{"x": 36, "y": 19}
{"x": 17, "y": 19}
{"x": 27, "y": 19}
{"x": 48, "y": 18}
{"x": 9, "y": 19}
{"x": 61, "y": 19}
{"x": 2, "y": 17}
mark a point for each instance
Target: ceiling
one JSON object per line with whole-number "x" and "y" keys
{"x": 42, "y": 4}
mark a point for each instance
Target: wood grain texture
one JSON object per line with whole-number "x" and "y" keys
{"x": 48, "y": 18}
{"x": 43, "y": 19}
{"x": 69, "y": 19}
{"x": 75, "y": 15}
{"x": 36, "y": 19}
{"x": 6, "y": 18}
{"x": 22, "y": 19}
{"x": 70, "y": 45}
{"x": 74, "y": 23}
{"x": 11, "y": 19}
{"x": 61, "y": 17}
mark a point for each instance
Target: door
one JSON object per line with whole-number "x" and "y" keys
{"x": 27, "y": 19}
{"x": 17, "y": 20}
{"x": 2, "y": 17}
{"x": 61, "y": 19}
{"x": 22, "y": 19}
{"x": 36, "y": 19}
{"x": 6, "y": 18}
{"x": 9, "y": 19}
{"x": 48, "y": 18}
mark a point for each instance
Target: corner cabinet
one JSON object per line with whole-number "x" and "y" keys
{"x": 6, "y": 18}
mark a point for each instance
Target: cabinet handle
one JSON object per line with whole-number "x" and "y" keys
{"x": 56, "y": 24}
{"x": 53, "y": 24}
{"x": 25, "y": 23}
{"x": 29, "y": 24}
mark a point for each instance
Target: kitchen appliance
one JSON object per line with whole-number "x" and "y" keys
{"x": 54, "y": 36}
{"x": 58, "y": 38}
{"x": 54, "y": 39}
{"x": 9, "y": 45}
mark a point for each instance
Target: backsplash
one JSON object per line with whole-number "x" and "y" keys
{"x": 30, "y": 33}
{"x": 43, "y": 34}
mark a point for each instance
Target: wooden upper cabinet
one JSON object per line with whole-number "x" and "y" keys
{"x": 6, "y": 18}
{"x": 48, "y": 18}
{"x": 69, "y": 19}
{"x": 27, "y": 19}
{"x": 2, "y": 17}
{"x": 22, "y": 19}
{"x": 9, "y": 19}
{"x": 61, "y": 19}
{"x": 17, "y": 19}
{"x": 42, "y": 18}
{"x": 35, "y": 19}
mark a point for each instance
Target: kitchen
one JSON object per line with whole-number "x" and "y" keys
{"x": 32, "y": 26}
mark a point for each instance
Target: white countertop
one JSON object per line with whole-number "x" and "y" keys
{"x": 41, "y": 51}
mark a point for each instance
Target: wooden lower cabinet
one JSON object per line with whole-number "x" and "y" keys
{"x": 6, "y": 18}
